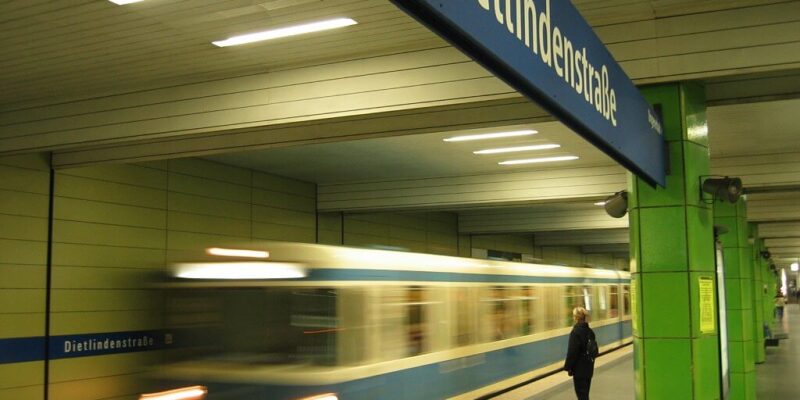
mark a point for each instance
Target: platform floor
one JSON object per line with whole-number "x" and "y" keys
{"x": 777, "y": 379}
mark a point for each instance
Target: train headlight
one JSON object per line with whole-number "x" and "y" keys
{"x": 186, "y": 393}
{"x": 326, "y": 396}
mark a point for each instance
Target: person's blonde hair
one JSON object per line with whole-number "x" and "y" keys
{"x": 580, "y": 313}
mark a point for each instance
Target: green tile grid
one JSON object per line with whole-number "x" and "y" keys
{"x": 738, "y": 261}
{"x": 671, "y": 232}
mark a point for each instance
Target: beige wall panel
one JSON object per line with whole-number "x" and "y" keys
{"x": 778, "y": 229}
{"x": 183, "y": 222}
{"x": 98, "y": 366}
{"x": 305, "y": 219}
{"x": 23, "y": 252}
{"x": 357, "y": 226}
{"x": 102, "y": 278}
{"x": 106, "y": 213}
{"x": 261, "y": 115}
{"x": 23, "y": 393}
{"x": 21, "y": 325}
{"x": 105, "y": 300}
{"x": 480, "y": 114}
{"x": 22, "y": 228}
{"x": 110, "y": 192}
{"x": 415, "y": 246}
{"x": 206, "y": 206}
{"x": 329, "y": 237}
{"x": 280, "y": 232}
{"x": 69, "y": 323}
{"x": 21, "y": 203}
{"x": 139, "y": 175}
{"x": 85, "y": 255}
{"x": 108, "y": 235}
{"x": 208, "y": 188}
{"x": 401, "y": 233}
{"x": 97, "y": 388}
{"x": 23, "y": 276}
{"x": 358, "y": 239}
{"x": 21, "y": 374}
{"x": 283, "y": 200}
{"x": 24, "y": 180}
{"x": 22, "y": 301}
{"x": 38, "y": 161}
{"x": 570, "y": 256}
{"x": 211, "y": 170}
{"x": 513, "y": 243}
{"x": 199, "y": 241}
{"x": 273, "y": 184}
{"x": 250, "y": 83}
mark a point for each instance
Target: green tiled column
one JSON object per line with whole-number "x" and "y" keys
{"x": 672, "y": 251}
{"x": 768, "y": 289}
{"x": 738, "y": 259}
{"x": 758, "y": 294}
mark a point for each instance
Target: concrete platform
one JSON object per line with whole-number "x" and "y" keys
{"x": 777, "y": 377}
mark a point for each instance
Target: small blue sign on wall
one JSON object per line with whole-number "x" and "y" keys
{"x": 546, "y": 51}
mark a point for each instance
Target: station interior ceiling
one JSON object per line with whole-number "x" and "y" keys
{"x": 61, "y": 53}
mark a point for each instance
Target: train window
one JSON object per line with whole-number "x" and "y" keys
{"x": 601, "y": 305}
{"x": 575, "y": 296}
{"x": 503, "y": 314}
{"x": 254, "y": 325}
{"x": 465, "y": 318}
{"x": 352, "y": 331}
{"x": 314, "y": 319}
{"x": 626, "y": 300}
{"x": 404, "y": 322}
{"x": 553, "y": 305}
{"x": 613, "y": 307}
{"x": 527, "y": 299}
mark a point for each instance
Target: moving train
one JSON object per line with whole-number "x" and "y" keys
{"x": 305, "y": 321}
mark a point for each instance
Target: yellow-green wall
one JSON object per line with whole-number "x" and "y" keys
{"x": 24, "y": 208}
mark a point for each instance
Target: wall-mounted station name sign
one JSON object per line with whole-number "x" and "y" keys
{"x": 546, "y": 51}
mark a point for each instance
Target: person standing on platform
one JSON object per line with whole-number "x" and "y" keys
{"x": 780, "y": 303}
{"x": 581, "y": 354}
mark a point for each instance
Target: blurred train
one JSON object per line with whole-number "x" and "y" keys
{"x": 305, "y": 321}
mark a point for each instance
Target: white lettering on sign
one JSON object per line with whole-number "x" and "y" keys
{"x": 535, "y": 30}
{"x": 79, "y": 346}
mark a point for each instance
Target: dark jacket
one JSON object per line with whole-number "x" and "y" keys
{"x": 577, "y": 362}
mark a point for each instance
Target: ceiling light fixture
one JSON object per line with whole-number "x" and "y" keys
{"x": 539, "y": 160}
{"x": 216, "y": 251}
{"x": 124, "y": 2}
{"x": 795, "y": 267}
{"x": 600, "y": 203}
{"x": 490, "y": 135}
{"x": 520, "y": 148}
{"x": 286, "y": 32}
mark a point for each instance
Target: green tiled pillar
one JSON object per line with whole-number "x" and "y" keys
{"x": 758, "y": 294}
{"x": 737, "y": 256}
{"x": 768, "y": 289}
{"x": 672, "y": 252}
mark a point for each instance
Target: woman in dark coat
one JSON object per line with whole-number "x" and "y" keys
{"x": 578, "y": 364}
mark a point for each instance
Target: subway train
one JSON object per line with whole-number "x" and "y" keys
{"x": 305, "y": 321}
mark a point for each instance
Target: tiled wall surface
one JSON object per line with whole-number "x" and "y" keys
{"x": 24, "y": 205}
{"x": 115, "y": 227}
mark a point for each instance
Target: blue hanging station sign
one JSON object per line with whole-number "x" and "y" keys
{"x": 546, "y": 51}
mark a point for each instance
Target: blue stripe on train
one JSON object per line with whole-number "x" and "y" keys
{"x": 331, "y": 274}
{"x": 434, "y": 381}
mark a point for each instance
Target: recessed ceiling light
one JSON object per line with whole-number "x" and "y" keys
{"x": 539, "y": 160}
{"x": 520, "y": 148}
{"x": 286, "y": 32}
{"x": 216, "y": 251}
{"x": 123, "y": 2}
{"x": 491, "y": 135}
